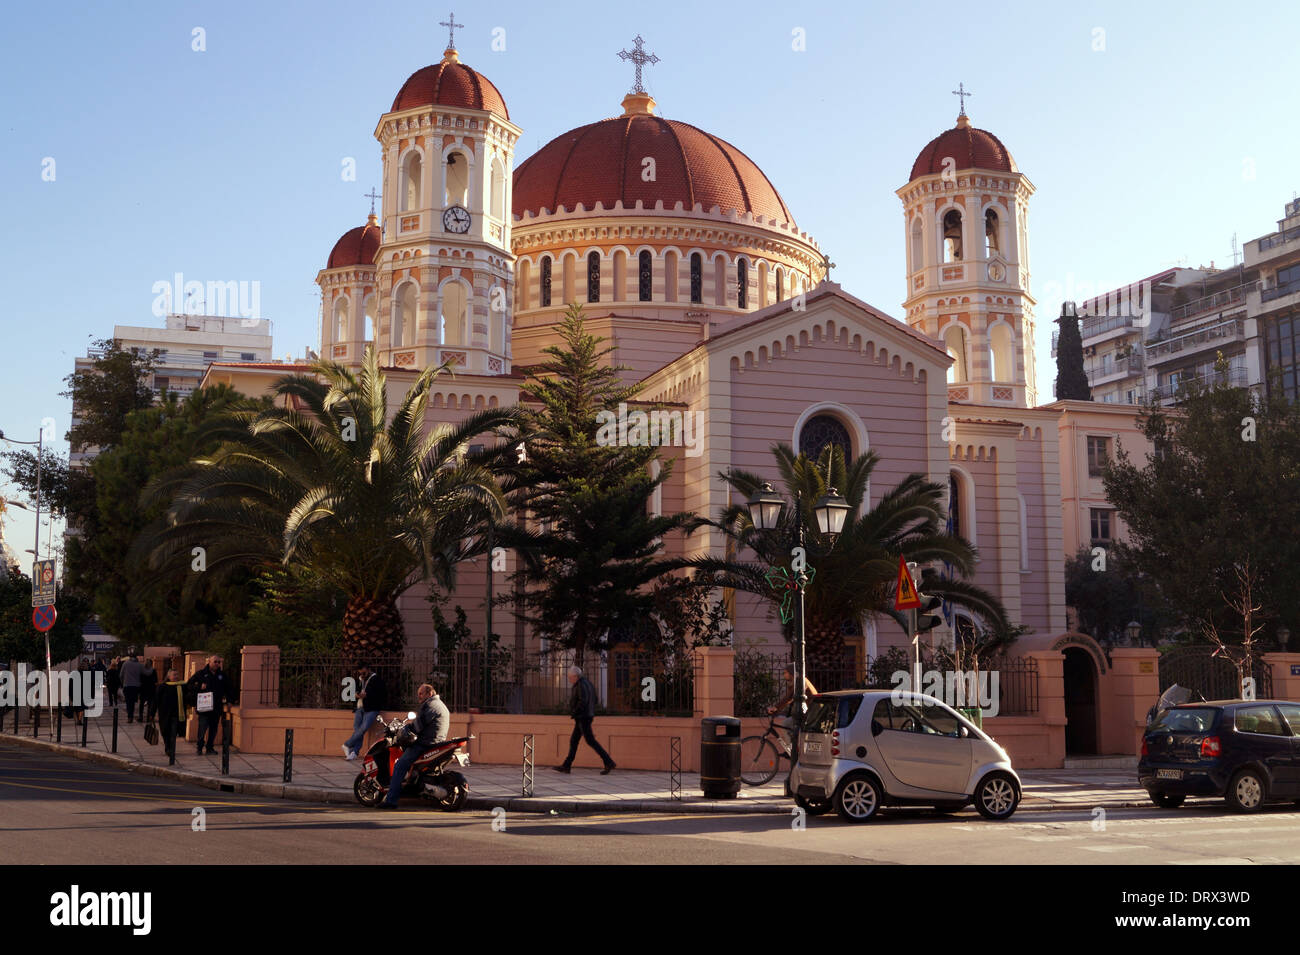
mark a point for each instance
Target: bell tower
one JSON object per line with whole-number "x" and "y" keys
{"x": 965, "y": 220}
{"x": 445, "y": 272}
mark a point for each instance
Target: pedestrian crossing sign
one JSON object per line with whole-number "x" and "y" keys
{"x": 905, "y": 595}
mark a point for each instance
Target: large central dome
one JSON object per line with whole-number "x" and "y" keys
{"x": 605, "y": 162}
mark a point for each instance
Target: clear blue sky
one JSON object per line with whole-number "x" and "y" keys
{"x": 225, "y": 164}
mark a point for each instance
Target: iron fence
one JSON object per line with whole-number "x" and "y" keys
{"x": 626, "y": 682}
{"x": 1215, "y": 677}
{"x": 759, "y": 681}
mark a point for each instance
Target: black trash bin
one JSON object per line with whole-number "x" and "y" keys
{"x": 720, "y": 756}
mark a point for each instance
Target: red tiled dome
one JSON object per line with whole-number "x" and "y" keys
{"x": 450, "y": 83}
{"x": 603, "y": 162}
{"x": 357, "y": 246}
{"x": 970, "y": 148}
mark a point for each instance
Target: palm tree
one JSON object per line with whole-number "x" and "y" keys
{"x": 328, "y": 481}
{"x": 856, "y": 570}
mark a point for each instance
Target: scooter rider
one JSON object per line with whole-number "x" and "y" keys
{"x": 432, "y": 720}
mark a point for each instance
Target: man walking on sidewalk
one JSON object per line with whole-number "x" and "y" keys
{"x": 369, "y": 702}
{"x": 171, "y": 711}
{"x": 582, "y": 707}
{"x": 132, "y": 673}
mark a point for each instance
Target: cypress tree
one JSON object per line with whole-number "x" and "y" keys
{"x": 1071, "y": 381}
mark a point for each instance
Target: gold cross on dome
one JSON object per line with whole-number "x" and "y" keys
{"x": 451, "y": 25}
{"x": 961, "y": 92}
{"x": 639, "y": 57}
{"x": 372, "y": 196}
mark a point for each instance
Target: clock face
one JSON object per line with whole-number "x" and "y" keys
{"x": 456, "y": 219}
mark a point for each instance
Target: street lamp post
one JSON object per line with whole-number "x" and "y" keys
{"x": 765, "y": 509}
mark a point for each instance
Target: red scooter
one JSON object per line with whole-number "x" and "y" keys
{"x": 447, "y": 789}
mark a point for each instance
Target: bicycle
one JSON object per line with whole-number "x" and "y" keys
{"x": 760, "y": 756}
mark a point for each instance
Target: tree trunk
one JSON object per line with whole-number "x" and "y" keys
{"x": 372, "y": 629}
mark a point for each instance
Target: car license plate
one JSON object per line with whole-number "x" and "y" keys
{"x": 462, "y": 758}
{"x": 812, "y": 747}
{"x": 1169, "y": 774}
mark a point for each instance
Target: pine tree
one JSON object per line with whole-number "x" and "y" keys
{"x": 1071, "y": 381}
{"x": 591, "y": 549}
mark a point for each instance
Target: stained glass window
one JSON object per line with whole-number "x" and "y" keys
{"x": 546, "y": 281}
{"x": 646, "y": 284}
{"x": 593, "y": 277}
{"x": 697, "y": 278}
{"x": 742, "y": 284}
{"x": 821, "y": 430}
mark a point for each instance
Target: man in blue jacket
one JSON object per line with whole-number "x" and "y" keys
{"x": 582, "y": 707}
{"x": 432, "y": 720}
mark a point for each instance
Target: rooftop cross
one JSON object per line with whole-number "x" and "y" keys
{"x": 451, "y": 25}
{"x": 372, "y": 196}
{"x": 960, "y": 91}
{"x": 640, "y": 58}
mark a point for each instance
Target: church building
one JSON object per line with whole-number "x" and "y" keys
{"x": 717, "y": 300}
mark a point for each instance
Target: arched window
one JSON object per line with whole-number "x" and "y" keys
{"x": 918, "y": 246}
{"x": 954, "y": 340}
{"x": 821, "y": 430}
{"x": 368, "y": 306}
{"x": 697, "y": 278}
{"x": 780, "y": 284}
{"x": 497, "y": 321}
{"x": 619, "y": 293}
{"x": 524, "y": 285}
{"x": 1000, "y": 353}
{"x": 456, "y": 191}
{"x": 341, "y": 320}
{"x": 412, "y": 177}
{"x": 546, "y": 281}
{"x": 498, "y": 190}
{"x": 455, "y": 312}
{"x": 952, "y": 236}
{"x": 992, "y": 243}
{"x": 593, "y": 277}
{"x": 645, "y": 275}
{"x": 405, "y": 314}
{"x": 954, "y": 505}
{"x": 742, "y": 284}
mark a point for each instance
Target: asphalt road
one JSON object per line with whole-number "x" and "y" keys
{"x": 61, "y": 810}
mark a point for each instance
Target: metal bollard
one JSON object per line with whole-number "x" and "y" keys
{"x": 227, "y": 731}
{"x": 528, "y": 765}
{"x": 288, "y": 755}
{"x": 115, "y": 711}
{"x": 58, "y": 725}
{"x": 675, "y": 768}
{"x": 85, "y": 728}
{"x": 36, "y": 721}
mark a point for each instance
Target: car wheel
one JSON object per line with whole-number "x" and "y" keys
{"x": 996, "y": 797}
{"x": 1167, "y": 800}
{"x": 814, "y": 807}
{"x": 1246, "y": 792}
{"x": 858, "y": 799}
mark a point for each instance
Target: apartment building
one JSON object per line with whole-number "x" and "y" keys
{"x": 1273, "y": 305}
{"x": 183, "y": 349}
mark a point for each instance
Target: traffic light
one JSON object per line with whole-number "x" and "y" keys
{"x": 927, "y": 615}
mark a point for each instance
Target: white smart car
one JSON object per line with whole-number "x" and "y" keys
{"x": 863, "y": 749}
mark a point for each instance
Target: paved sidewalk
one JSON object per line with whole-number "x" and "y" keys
{"x": 329, "y": 779}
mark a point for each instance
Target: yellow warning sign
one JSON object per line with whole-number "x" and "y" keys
{"x": 905, "y": 596}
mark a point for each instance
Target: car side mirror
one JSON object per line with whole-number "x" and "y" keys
{"x": 876, "y": 728}
{"x": 963, "y": 732}
{"x": 411, "y": 715}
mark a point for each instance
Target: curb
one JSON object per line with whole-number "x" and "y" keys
{"x": 692, "y": 805}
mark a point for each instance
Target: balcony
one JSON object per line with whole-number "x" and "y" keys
{"x": 1119, "y": 369}
{"x": 1093, "y": 326}
{"x": 1277, "y": 292}
{"x": 1210, "y": 303}
{"x": 1272, "y": 246}
{"x": 1189, "y": 343}
{"x": 1168, "y": 394}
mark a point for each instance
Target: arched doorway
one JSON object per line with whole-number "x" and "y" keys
{"x": 1080, "y": 677}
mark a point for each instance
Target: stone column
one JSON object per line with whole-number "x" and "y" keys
{"x": 1286, "y": 675}
{"x": 1051, "y": 701}
{"x": 714, "y": 681}
{"x": 1128, "y": 692}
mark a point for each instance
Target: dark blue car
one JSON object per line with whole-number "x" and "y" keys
{"x": 1247, "y": 751}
